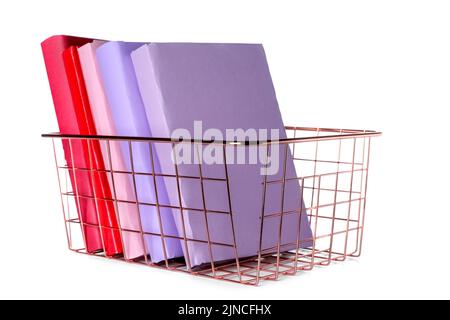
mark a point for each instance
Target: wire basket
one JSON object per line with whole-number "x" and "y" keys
{"x": 331, "y": 165}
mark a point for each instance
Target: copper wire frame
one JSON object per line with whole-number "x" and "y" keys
{"x": 332, "y": 167}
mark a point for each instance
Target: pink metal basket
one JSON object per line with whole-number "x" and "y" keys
{"x": 332, "y": 167}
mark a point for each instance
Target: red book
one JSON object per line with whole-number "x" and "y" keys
{"x": 74, "y": 117}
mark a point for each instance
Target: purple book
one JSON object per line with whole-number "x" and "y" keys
{"x": 225, "y": 86}
{"x": 127, "y": 110}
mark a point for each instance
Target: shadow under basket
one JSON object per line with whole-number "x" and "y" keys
{"x": 331, "y": 165}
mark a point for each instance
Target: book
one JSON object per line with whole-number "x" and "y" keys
{"x": 75, "y": 151}
{"x": 128, "y": 113}
{"x": 221, "y": 87}
{"x": 102, "y": 194}
{"x": 121, "y": 185}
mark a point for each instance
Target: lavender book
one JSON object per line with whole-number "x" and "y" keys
{"x": 222, "y": 91}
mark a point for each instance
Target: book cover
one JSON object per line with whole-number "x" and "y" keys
{"x": 222, "y": 87}
{"x": 112, "y": 155}
{"x": 74, "y": 152}
{"x": 101, "y": 191}
{"x": 127, "y": 110}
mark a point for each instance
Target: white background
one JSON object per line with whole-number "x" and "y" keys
{"x": 381, "y": 65}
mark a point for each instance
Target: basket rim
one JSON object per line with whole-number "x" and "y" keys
{"x": 338, "y": 134}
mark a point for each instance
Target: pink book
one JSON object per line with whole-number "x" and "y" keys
{"x": 122, "y": 184}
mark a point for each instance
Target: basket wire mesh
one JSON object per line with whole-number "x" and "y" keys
{"x": 332, "y": 168}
